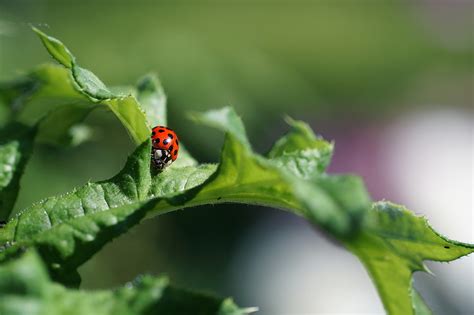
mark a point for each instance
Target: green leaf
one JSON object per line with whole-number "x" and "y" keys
{"x": 419, "y": 306}
{"x": 16, "y": 145}
{"x": 25, "y": 288}
{"x": 307, "y": 163}
{"x": 338, "y": 204}
{"x": 152, "y": 98}
{"x": 90, "y": 84}
{"x": 393, "y": 246}
{"x": 225, "y": 119}
{"x": 392, "y": 243}
{"x": 83, "y": 81}
{"x": 63, "y": 227}
{"x": 55, "y": 90}
{"x": 68, "y": 229}
{"x": 57, "y": 49}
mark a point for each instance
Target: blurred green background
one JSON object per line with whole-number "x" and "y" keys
{"x": 368, "y": 74}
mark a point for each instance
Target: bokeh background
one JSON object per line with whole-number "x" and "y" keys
{"x": 389, "y": 81}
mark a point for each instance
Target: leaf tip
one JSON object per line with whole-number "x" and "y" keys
{"x": 56, "y": 48}
{"x": 427, "y": 269}
{"x": 36, "y": 30}
{"x": 228, "y": 307}
{"x": 289, "y": 120}
{"x": 250, "y": 310}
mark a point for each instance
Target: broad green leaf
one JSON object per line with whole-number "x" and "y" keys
{"x": 392, "y": 243}
{"x": 16, "y": 145}
{"x": 58, "y": 99}
{"x": 63, "y": 227}
{"x": 68, "y": 229}
{"x": 25, "y": 288}
{"x": 336, "y": 203}
{"x": 393, "y": 246}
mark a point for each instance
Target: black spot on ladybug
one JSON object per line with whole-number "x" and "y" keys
{"x": 447, "y": 247}
{"x": 175, "y": 152}
{"x": 170, "y": 136}
{"x": 177, "y": 143}
{"x": 166, "y": 141}
{"x": 170, "y": 148}
{"x": 161, "y": 130}
{"x": 153, "y": 133}
{"x": 157, "y": 140}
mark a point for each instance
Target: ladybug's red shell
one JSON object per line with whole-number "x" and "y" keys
{"x": 165, "y": 146}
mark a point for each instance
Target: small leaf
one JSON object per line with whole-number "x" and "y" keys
{"x": 225, "y": 119}
{"x": 338, "y": 204}
{"x": 90, "y": 84}
{"x": 125, "y": 107}
{"x": 305, "y": 163}
{"x": 152, "y": 98}
{"x": 57, "y": 49}
{"x": 393, "y": 246}
{"x": 25, "y": 288}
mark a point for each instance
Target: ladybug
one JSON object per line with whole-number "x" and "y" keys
{"x": 165, "y": 147}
